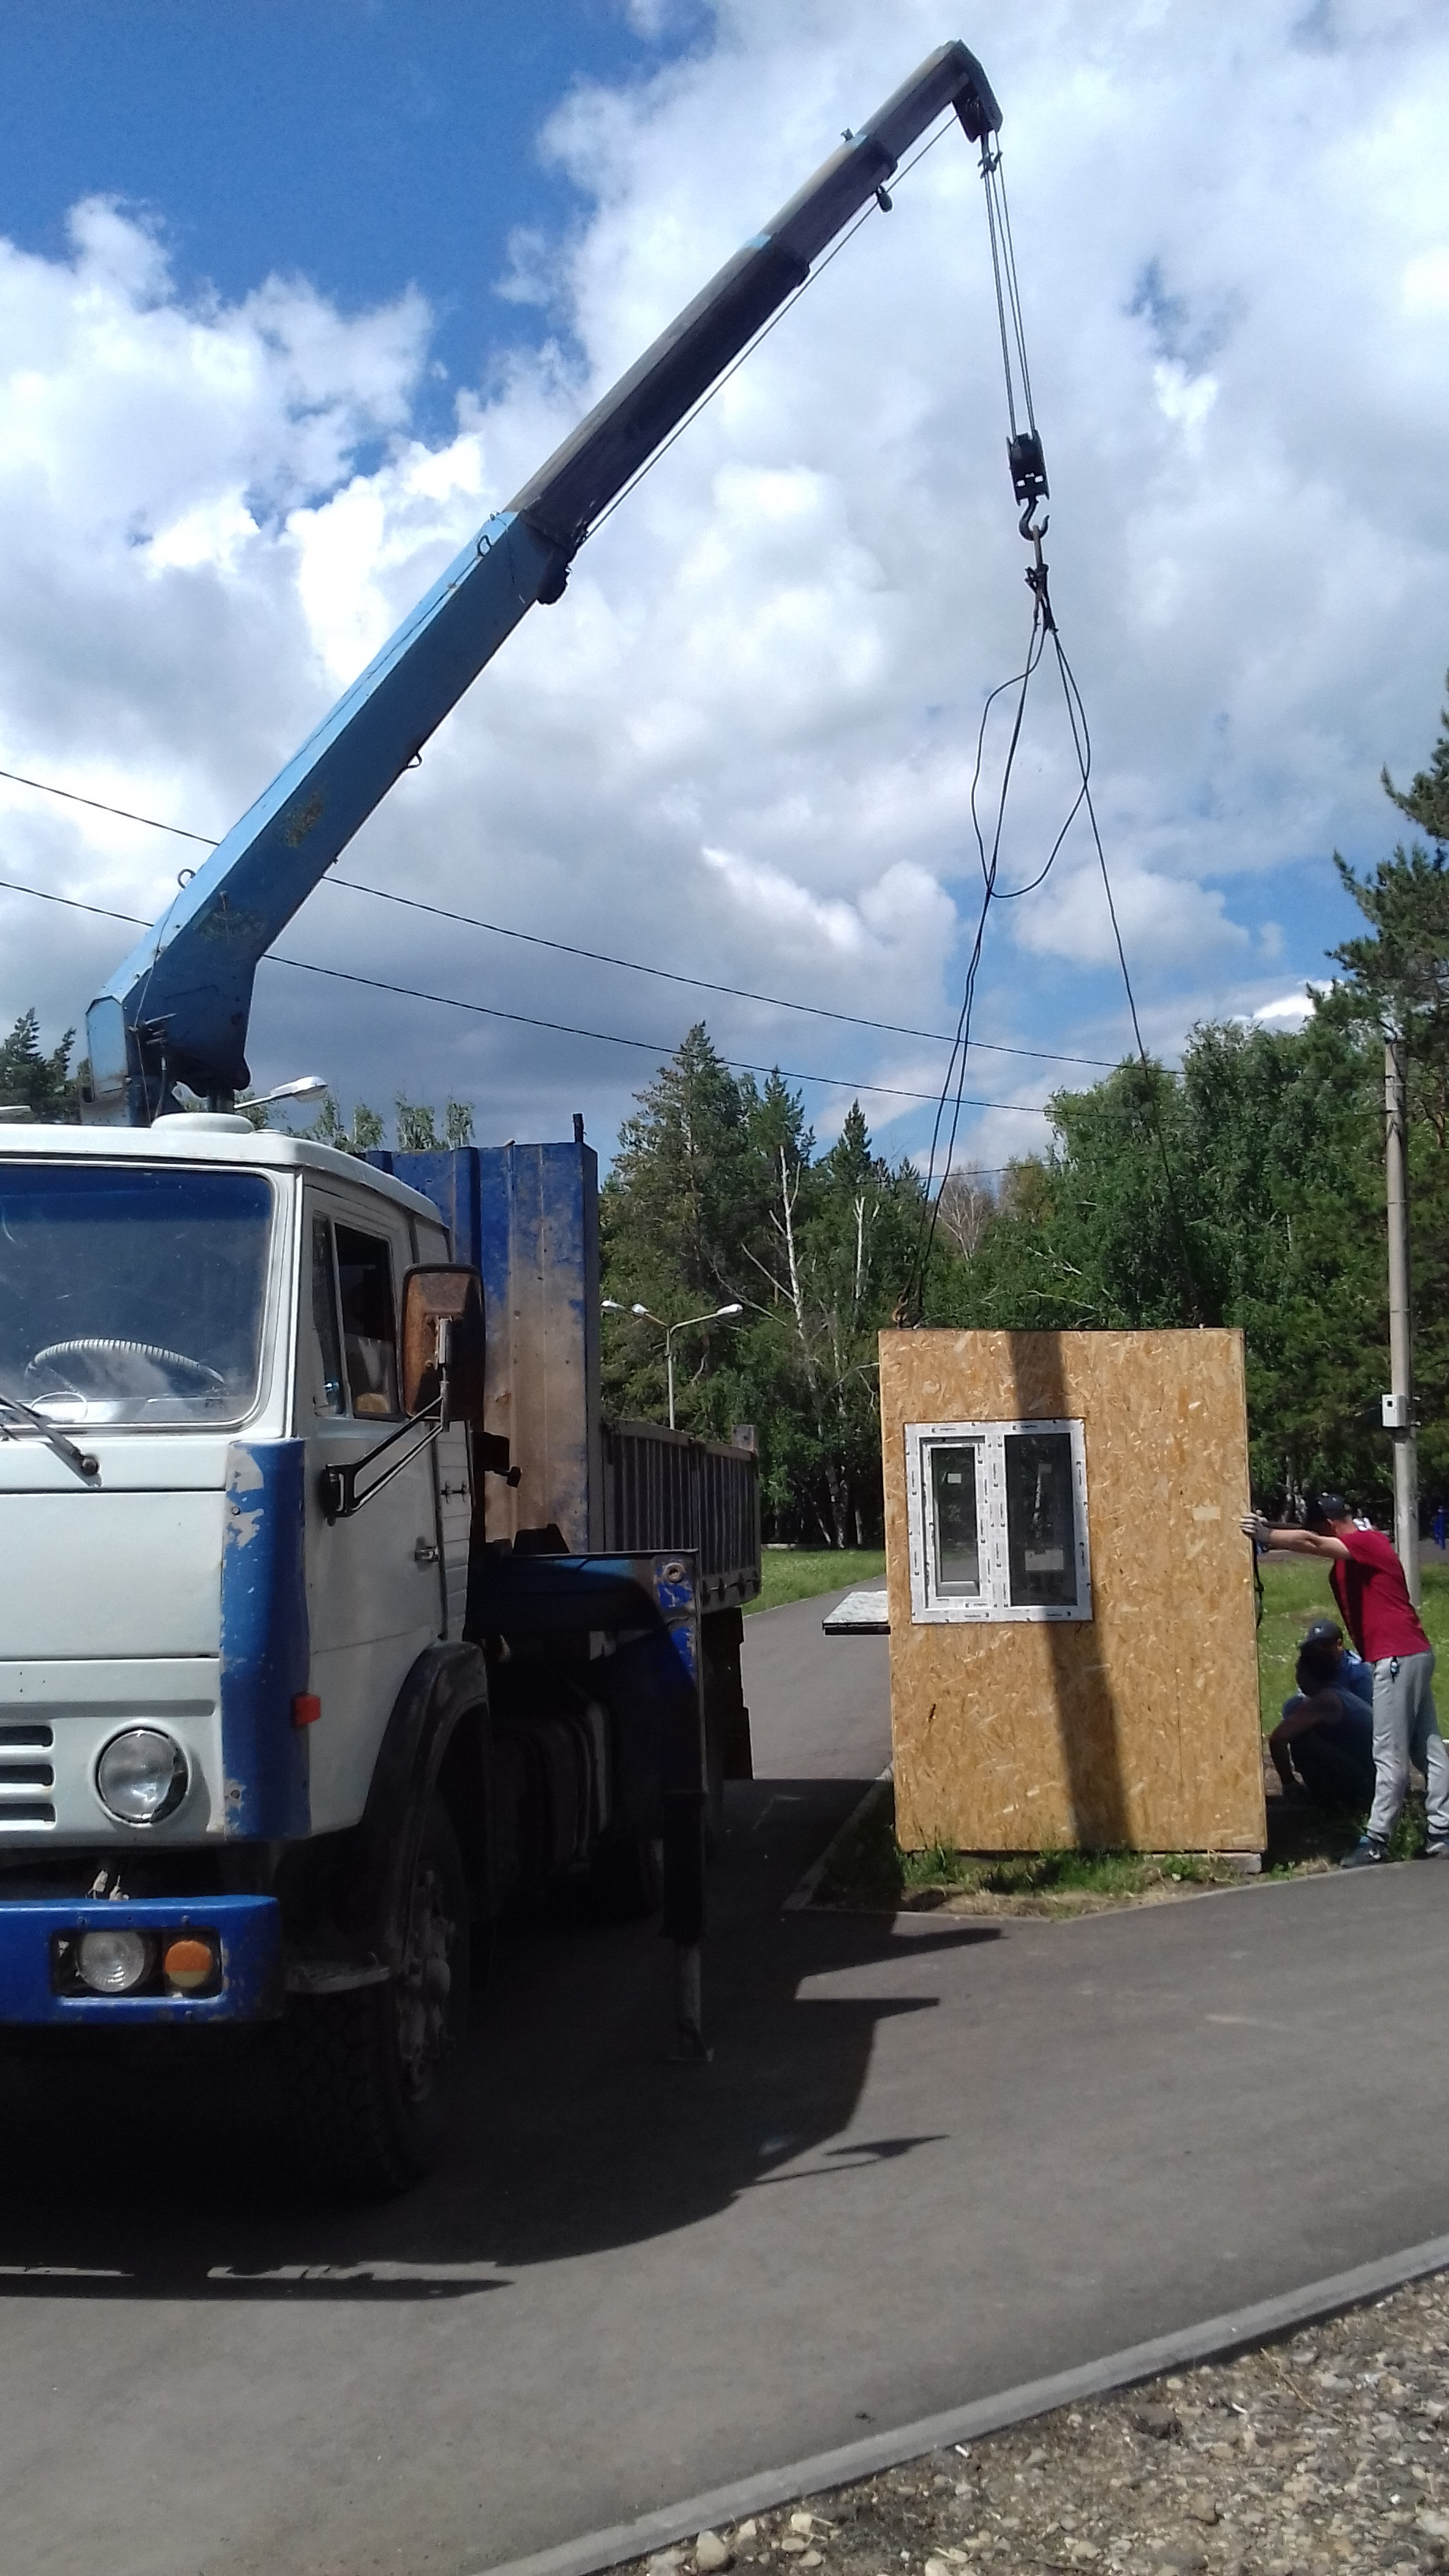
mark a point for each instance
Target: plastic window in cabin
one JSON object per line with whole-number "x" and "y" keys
{"x": 997, "y": 1520}
{"x": 369, "y": 1322}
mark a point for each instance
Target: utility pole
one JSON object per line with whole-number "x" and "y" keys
{"x": 1399, "y": 1403}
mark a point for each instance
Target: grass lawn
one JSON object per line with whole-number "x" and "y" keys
{"x": 796, "y": 1573}
{"x": 869, "y": 1867}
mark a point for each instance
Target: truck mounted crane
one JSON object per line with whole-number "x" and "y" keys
{"x": 334, "y": 1610}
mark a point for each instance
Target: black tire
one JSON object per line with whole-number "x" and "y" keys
{"x": 626, "y": 1877}
{"x": 373, "y": 2073}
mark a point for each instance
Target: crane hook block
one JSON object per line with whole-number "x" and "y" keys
{"x": 1028, "y": 469}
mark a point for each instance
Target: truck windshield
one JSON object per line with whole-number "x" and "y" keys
{"x": 132, "y": 1293}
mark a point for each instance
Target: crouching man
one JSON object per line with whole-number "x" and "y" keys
{"x": 1326, "y": 1733}
{"x": 1367, "y": 1582}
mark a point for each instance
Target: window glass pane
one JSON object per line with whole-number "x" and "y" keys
{"x": 331, "y": 1396}
{"x": 132, "y": 1292}
{"x": 956, "y": 1553}
{"x": 1041, "y": 1537}
{"x": 369, "y": 1327}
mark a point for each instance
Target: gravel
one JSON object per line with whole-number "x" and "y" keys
{"x": 1323, "y": 2452}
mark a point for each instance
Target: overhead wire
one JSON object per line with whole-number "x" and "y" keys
{"x": 929, "y": 1216}
{"x": 1082, "y": 743}
{"x": 1012, "y": 330}
{"x": 570, "y": 948}
{"x": 863, "y": 1086}
{"x": 1029, "y": 479}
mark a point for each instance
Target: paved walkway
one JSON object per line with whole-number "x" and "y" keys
{"x": 929, "y": 2159}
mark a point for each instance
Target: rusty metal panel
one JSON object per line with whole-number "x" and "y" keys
{"x": 527, "y": 1217}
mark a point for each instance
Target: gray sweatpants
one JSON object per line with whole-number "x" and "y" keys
{"x": 1406, "y": 1729}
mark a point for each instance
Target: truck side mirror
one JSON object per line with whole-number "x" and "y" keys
{"x": 443, "y": 1342}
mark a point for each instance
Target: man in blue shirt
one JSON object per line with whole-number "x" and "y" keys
{"x": 1326, "y": 1732}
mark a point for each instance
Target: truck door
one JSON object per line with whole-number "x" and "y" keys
{"x": 374, "y": 1581}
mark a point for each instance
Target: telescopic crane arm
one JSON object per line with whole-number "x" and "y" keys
{"x": 178, "y": 1009}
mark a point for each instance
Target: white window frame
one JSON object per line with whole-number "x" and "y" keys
{"x": 928, "y": 1608}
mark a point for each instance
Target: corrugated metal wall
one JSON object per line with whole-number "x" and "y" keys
{"x": 663, "y": 1489}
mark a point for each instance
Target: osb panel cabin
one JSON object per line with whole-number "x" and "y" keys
{"x": 1072, "y": 1640}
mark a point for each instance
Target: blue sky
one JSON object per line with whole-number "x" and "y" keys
{"x": 742, "y": 745}
{"x": 363, "y": 144}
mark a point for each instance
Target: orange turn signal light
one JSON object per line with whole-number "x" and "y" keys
{"x": 188, "y": 1963}
{"x": 306, "y": 1708}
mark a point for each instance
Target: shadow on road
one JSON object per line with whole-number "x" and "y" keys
{"x": 576, "y": 2133}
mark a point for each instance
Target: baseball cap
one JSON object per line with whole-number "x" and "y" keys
{"x": 1324, "y": 1632}
{"x": 1328, "y": 1507}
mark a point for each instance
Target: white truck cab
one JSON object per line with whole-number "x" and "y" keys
{"x": 282, "y": 1712}
{"x": 173, "y": 1303}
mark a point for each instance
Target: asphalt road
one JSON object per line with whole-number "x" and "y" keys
{"x": 928, "y": 2160}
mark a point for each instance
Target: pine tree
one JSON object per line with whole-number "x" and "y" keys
{"x": 32, "y": 1080}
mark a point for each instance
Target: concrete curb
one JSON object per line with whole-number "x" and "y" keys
{"x": 720, "y": 2506}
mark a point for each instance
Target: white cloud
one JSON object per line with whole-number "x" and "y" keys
{"x": 1290, "y": 1011}
{"x": 1169, "y": 921}
{"x": 777, "y": 652}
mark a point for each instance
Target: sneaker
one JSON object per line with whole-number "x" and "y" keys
{"x": 1365, "y": 1855}
{"x": 1436, "y": 1848}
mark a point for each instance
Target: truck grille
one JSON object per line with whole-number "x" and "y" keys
{"x": 24, "y": 1769}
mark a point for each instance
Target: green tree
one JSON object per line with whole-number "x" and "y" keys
{"x": 31, "y": 1079}
{"x": 718, "y": 1194}
{"x": 1273, "y": 1142}
{"x": 329, "y": 1127}
{"x": 683, "y": 1194}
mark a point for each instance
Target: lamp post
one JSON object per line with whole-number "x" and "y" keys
{"x": 716, "y": 1315}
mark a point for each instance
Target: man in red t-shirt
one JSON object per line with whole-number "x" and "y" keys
{"x": 1369, "y": 1586}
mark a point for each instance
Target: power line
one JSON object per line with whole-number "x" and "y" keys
{"x": 592, "y": 956}
{"x": 527, "y": 1019}
{"x": 1082, "y": 745}
{"x": 706, "y": 984}
{"x": 931, "y": 1206}
{"x": 97, "y": 807}
{"x": 961, "y": 1040}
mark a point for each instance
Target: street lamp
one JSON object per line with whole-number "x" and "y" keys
{"x": 306, "y": 1087}
{"x": 715, "y": 1316}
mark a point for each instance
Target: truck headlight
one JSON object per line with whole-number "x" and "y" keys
{"x": 112, "y": 1963}
{"x": 141, "y": 1775}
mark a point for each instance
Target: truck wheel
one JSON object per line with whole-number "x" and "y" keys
{"x": 374, "y": 2072}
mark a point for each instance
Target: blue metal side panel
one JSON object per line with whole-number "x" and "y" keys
{"x": 527, "y": 1218}
{"x": 265, "y": 1647}
{"x": 449, "y": 1178}
{"x": 250, "y": 1928}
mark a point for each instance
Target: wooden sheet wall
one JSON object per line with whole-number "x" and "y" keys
{"x": 1138, "y": 1728}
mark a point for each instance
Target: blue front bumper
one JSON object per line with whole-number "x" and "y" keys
{"x": 249, "y": 1929}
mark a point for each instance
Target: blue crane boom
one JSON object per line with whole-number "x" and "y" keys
{"x": 178, "y": 1009}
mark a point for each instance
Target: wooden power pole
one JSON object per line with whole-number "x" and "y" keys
{"x": 1399, "y": 1403}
